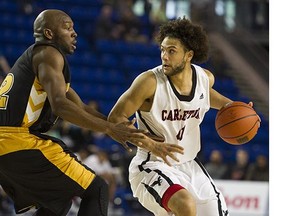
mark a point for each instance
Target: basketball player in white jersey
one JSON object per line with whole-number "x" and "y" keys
{"x": 170, "y": 101}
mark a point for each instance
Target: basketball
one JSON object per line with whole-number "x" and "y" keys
{"x": 237, "y": 123}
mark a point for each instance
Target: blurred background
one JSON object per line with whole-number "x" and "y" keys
{"x": 116, "y": 43}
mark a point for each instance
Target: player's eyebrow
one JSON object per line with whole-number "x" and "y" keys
{"x": 169, "y": 46}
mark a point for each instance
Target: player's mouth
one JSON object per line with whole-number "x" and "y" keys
{"x": 165, "y": 66}
{"x": 74, "y": 44}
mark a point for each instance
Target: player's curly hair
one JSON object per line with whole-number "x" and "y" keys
{"x": 191, "y": 35}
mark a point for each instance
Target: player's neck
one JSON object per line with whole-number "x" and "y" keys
{"x": 183, "y": 81}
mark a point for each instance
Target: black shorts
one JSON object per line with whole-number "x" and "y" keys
{"x": 40, "y": 171}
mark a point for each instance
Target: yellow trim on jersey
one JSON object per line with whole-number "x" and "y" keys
{"x": 13, "y": 139}
{"x": 35, "y": 104}
{"x": 67, "y": 87}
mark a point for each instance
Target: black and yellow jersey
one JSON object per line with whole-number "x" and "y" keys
{"x": 23, "y": 101}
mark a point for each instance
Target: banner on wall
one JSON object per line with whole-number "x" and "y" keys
{"x": 245, "y": 198}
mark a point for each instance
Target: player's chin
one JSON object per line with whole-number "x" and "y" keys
{"x": 166, "y": 71}
{"x": 71, "y": 51}
{"x": 72, "y": 48}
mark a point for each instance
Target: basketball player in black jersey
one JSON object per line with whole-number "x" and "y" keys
{"x": 37, "y": 170}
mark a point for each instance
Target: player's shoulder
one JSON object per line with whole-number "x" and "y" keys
{"x": 147, "y": 76}
{"x": 46, "y": 49}
{"x": 207, "y": 73}
{"x": 47, "y": 53}
{"x": 145, "y": 81}
{"x": 202, "y": 70}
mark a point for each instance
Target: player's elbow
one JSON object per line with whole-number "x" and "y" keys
{"x": 115, "y": 116}
{"x": 58, "y": 106}
{"x": 57, "y": 110}
{"x": 112, "y": 117}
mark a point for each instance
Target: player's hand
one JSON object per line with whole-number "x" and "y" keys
{"x": 160, "y": 149}
{"x": 154, "y": 137}
{"x": 251, "y": 104}
{"x": 123, "y": 133}
{"x": 164, "y": 149}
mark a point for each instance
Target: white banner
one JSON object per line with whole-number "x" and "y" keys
{"x": 245, "y": 198}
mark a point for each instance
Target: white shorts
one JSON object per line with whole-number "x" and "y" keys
{"x": 150, "y": 179}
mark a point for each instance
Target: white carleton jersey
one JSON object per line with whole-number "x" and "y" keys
{"x": 177, "y": 117}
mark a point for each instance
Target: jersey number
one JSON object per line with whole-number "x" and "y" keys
{"x": 4, "y": 89}
{"x": 179, "y": 136}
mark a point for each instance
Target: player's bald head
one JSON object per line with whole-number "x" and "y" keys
{"x": 47, "y": 19}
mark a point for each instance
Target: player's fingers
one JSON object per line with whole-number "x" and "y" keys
{"x": 133, "y": 121}
{"x": 170, "y": 152}
{"x": 135, "y": 134}
{"x": 250, "y": 104}
{"x": 173, "y": 157}
{"x": 154, "y": 137}
{"x": 124, "y": 144}
{"x": 176, "y": 148}
{"x": 259, "y": 123}
{"x": 136, "y": 142}
{"x": 139, "y": 143}
{"x": 165, "y": 160}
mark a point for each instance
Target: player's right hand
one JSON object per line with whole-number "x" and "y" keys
{"x": 154, "y": 137}
{"x": 161, "y": 149}
{"x": 123, "y": 133}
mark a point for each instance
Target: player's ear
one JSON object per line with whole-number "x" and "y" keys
{"x": 48, "y": 33}
{"x": 190, "y": 54}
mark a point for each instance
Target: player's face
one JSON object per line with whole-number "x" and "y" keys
{"x": 65, "y": 35}
{"x": 173, "y": 56}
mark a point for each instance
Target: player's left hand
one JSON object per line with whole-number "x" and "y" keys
{"x": 251, "y": 104}
{"x": 161, "y": 149}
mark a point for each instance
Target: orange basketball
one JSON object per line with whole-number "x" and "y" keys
{"x": 237, "y": 123}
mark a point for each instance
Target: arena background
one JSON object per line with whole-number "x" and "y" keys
{"x": 104, "y": 65}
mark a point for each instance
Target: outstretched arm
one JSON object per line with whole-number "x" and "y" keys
{"x": 73, "y": 96}
{"x": 48, "y": 64}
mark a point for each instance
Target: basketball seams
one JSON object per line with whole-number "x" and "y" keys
{"x": 234, "y": 106}
{"x": 235, "y": 137}
{"x": 247, "y": 116}
{"x": 242, "y": 118}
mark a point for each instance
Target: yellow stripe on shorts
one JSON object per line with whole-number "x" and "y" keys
{"x": 13, "y": 139}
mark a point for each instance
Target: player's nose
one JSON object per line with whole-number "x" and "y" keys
{"x": 74, "y": 34}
